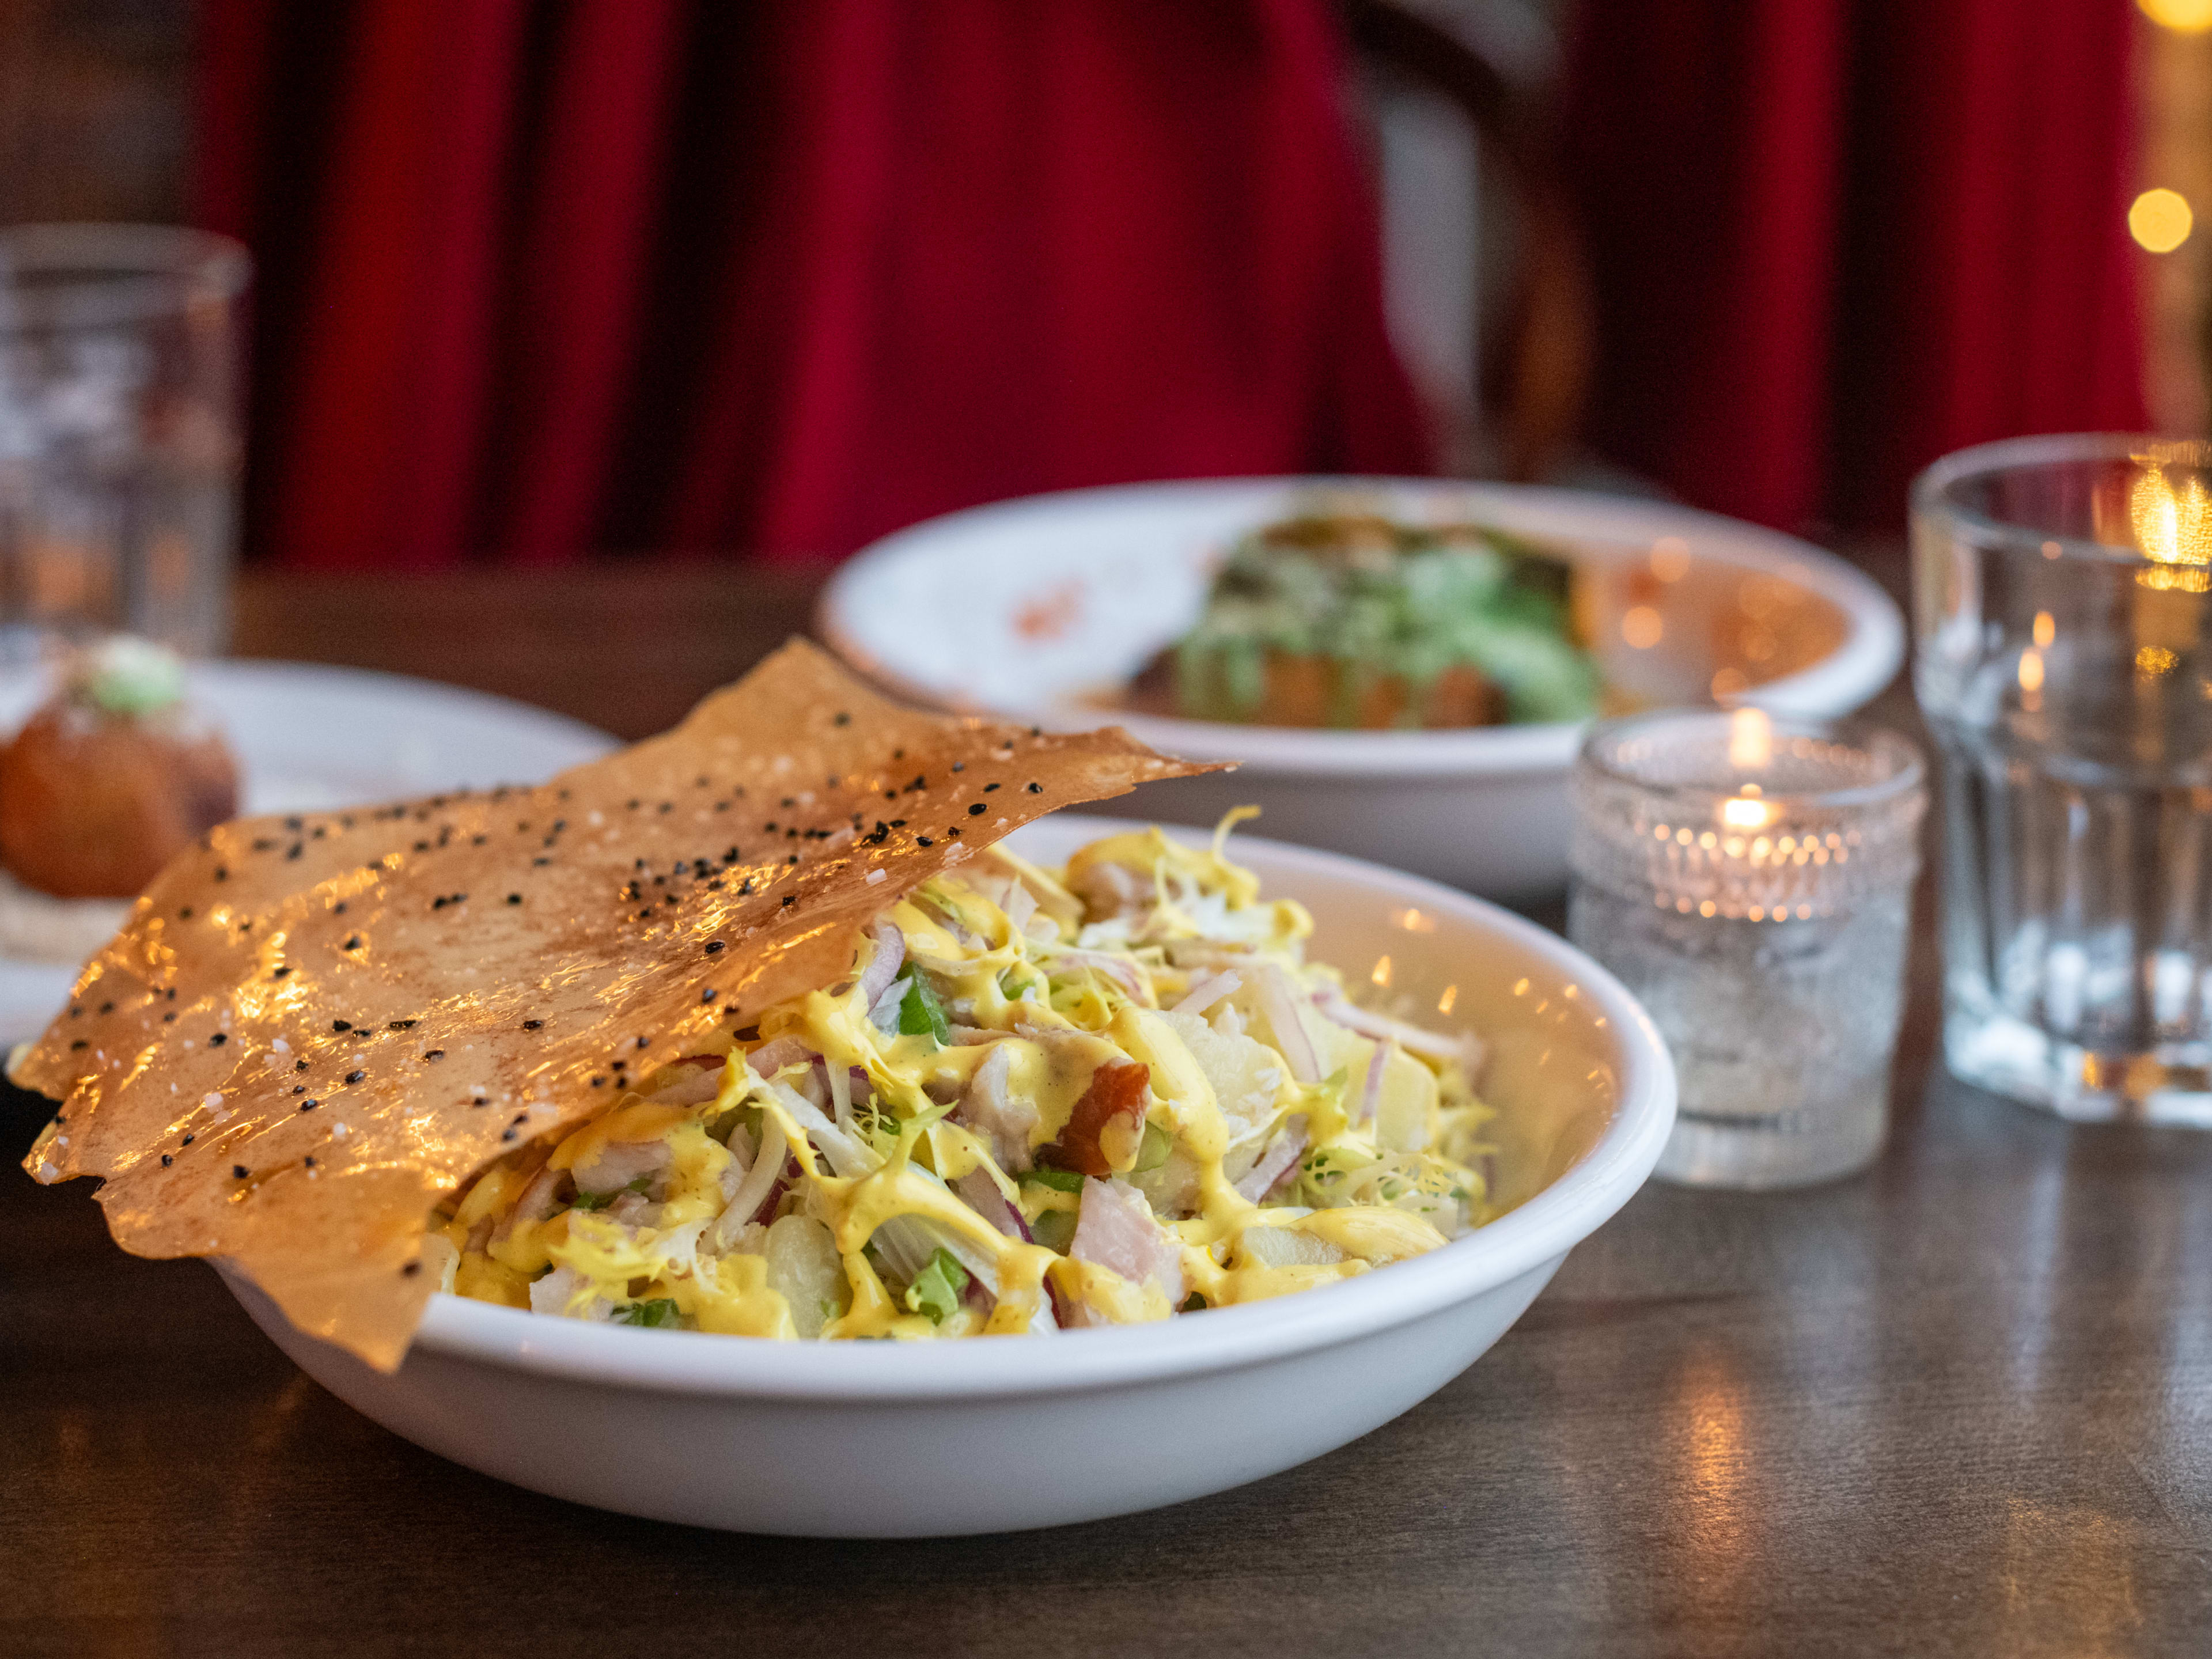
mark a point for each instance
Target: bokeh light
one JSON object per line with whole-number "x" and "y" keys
{"x": 2160, "y": 221}
{"x": 2183, "y": 16}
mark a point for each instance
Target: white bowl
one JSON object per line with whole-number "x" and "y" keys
{"x": 1042, "y": 609}
{"x": 897, "y": 1440}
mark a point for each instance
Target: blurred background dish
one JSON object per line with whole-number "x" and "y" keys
{"x": 1048, "y": 609}
{"x": 111, "y": 777}
{"x": 1341, "y": 617}
{"x": 308, "y": 738}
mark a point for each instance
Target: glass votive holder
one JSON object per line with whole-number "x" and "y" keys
{"x": 1749, "y": 877}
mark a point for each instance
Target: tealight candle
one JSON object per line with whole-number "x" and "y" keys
{"x": 1749, "y": 877}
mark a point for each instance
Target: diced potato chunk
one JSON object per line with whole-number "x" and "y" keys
{"x": 805, "y": 1270}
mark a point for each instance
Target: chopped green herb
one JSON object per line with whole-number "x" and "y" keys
{"x": 1055, "y": 1229}
{"x": 936, "y": 1288}
{"x": 1061, "y": 1181}
{"x": 1155, "y": 1148}
{"x": 660, "y": 1313}
{"x": 921, "y": 1015}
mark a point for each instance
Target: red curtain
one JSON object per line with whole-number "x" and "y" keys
{"x": 1835, "y": 239}
{"x": 539, "y": 279}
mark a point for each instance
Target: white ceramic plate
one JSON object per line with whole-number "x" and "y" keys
{"x": 310, "y": 739}
{"x": 1043, "y": 608}
{"x": 897, "y": 1440}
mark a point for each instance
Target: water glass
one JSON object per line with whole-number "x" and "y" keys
{"x": 119, "y": 448}
{"x": 2063, "y": 600}
{"x": 1749, "y": 877}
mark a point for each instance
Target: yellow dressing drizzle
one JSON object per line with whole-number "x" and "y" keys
{"x": 1064, "y": 1017}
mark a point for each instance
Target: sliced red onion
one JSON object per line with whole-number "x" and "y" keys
{"x": 1115, "y": 889}
{"x": 695, "y": 1088}
{"x": 883, "y": 966}
{"x": 1282, "y": 1151}
{"x": 541, "y": 1197}
{"x": 982, "y": 1195}
{"x": 773, "y": 1057}
{"x": 961, "y": 931}
{"x": 883, "y": 1011}
{"x": 619, "y": 1162}
{"x": 1466, "y": 1048}
{"x": 1209, "y": 991}
{"x": 1061, "y": 1310}
{"x": 1122, "y": 973}
{"x": 814, "y": 1082}
{"x": 1020, "y": 906}
{"x": 1370, "y": 1093}
{"x": 1280, "y": 1005}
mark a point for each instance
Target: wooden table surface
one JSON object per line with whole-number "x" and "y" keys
{"x": 1961, "y": 1404}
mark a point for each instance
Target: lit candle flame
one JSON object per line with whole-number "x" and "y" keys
{"x": 1751, "y": 740}
{"x": 1746, "y": 812}
{"x": 2172, "y": 527}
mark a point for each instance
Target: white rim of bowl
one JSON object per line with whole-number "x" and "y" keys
{"x": 1546, "y": 1226}
{"x": 1856, "y": 671}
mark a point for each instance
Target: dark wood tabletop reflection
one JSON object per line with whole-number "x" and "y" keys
{"x": 1960, "y": 1405}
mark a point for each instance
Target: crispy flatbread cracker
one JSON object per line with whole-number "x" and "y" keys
{"x": 315, "y": 1027}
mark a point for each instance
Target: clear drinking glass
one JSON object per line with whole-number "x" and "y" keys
{"x": 2062, "y": 590}
{"x": 119, "y": 443}
{"x": 1749, "y": 877}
